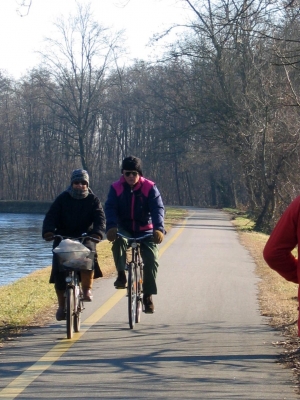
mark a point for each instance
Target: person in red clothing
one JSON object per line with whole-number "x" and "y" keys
{"x": 282, "y": 241}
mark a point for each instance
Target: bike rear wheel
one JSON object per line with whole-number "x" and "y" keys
{"x": 70, "y": 312}
{"x": 132, "y": 295}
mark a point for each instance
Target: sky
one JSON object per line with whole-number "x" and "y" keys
{"x": 21, "y": 35}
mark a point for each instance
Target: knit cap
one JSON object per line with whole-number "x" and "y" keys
{"x": 80, "y": 175}
{"x": 132, "y": 163}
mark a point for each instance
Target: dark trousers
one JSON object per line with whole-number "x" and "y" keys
{"x": 149, "y": 253}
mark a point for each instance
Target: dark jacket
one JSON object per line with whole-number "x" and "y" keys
{"x": 72, "y": 217}
{"x": 137, "y": 210}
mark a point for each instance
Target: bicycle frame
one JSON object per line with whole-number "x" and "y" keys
{"x": 74, "y": 304}
{"x": 135, "y": 279}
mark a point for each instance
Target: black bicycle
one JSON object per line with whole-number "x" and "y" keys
{"x": 134, "y": 279}
{"x": 73, "y": 261}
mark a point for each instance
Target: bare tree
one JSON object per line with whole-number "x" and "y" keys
{"x": 24, "y": 7}
{"x": 74, "y": 84}
{"x": 238, "y": 87}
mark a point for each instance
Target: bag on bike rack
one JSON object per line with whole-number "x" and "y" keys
{"x": 74, "y": 252}
{"x": 80, "y": 263}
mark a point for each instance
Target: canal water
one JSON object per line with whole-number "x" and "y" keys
{"x": 22, "y": 249}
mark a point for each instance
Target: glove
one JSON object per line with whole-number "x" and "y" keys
{"x": 111, "y": 234}
{"x": 48, "y": 236}
{"x": 97, "y": 238}
{"x": 158, "y": 237}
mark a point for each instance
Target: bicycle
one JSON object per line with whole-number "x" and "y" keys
{"x": 135, "y": 279}
{"x": 73, "y": 261}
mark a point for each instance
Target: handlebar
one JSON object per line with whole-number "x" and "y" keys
{"x": 134, "y": 239}
{"x": 81, "y": 238}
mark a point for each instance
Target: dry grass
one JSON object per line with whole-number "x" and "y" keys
{"x": 278, "y": 298}
{"x": 20, "y": 299}
{"x": 31, "y": 301}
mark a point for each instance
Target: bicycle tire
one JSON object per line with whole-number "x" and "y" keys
{"x": 78, "y": 308}
{"x": 70, "y": 312}
{"x": 132, "y": 295}
{"x": 77, "y": 321}
{"x": 139, "y": 300}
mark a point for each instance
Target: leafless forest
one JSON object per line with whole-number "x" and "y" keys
{"x": 215, "y": 121}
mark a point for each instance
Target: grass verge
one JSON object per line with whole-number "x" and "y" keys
{"x": 31, "y": 301}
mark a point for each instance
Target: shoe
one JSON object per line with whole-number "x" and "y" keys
{"x": 87, "y": 295}
{"x": 121, "y": 281}
{"x": 149, "y": 306}
{"x": 60, "y": 314}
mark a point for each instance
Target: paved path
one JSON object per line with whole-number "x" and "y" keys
{"x": 206, "y": 339}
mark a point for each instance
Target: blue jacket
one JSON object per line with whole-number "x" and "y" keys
{"x": 137, "y": 210}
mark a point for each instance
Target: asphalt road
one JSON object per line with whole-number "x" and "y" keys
{"x": 206, "y": 339}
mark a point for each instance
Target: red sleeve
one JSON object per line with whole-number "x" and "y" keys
{"x": 283, "y": 239}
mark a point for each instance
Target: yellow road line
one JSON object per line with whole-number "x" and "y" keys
{"x": 15, "y": 387}
{"x": 179, "y": 232}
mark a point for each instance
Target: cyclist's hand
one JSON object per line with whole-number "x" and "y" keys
{"x": 111, "y": 234}
{"x": 49, "y": 236}
{"x": 158, "y": 237}
{"x": 97, "y": 238}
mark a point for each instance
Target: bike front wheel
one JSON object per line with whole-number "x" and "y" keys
{"x": 70, "y": 312}
{"x": 139, "y": 298}
{"x": 132, "y": 294}
{"x": 78, "y": 310}
{"x": 77, "y": 321}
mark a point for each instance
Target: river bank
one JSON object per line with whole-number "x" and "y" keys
{"x": 24, "y": 206}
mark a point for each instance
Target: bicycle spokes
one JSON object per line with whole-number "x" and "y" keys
{"x": 132, "y": 295}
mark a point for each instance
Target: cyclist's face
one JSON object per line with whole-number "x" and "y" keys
{"x": 82, "y": 185}
{"x": 131, "y": 177}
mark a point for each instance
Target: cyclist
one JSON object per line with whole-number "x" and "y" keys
{"x": 134, "y": 207}
{"x": 75, "y": 211}
{"x": 283, "y": 239}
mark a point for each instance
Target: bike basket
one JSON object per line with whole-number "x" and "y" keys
{"x": 80, "y": 263}
{"x": 71, "y": 250}
{"x": 70, "y": 255}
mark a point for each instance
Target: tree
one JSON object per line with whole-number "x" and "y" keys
{"x": 229, "y": 47}
{"x": 74, "y": 79}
